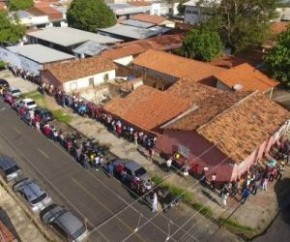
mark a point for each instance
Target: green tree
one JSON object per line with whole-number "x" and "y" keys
{"x": 278, "y": 59}
{"x": 89, "y": 15}
{"x": 201, "y": 45}
{"x": 242, "y": 24}
{"x": 15, "y": 5}
{"x": 180, "y": 6}
{"x": 10, "y": 32}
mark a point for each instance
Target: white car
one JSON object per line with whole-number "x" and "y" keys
{"x": 15, "y": 92}
{"x": 27, "y": 103}
{"x": 33, "y": 195}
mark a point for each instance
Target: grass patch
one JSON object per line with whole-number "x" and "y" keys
{"x": 157, "y": 180}
{"x": 62, "y": 117}
{"x": 37, "y": 97}
{"x": 205, "y": 211}
{"x": 235, "y": 225}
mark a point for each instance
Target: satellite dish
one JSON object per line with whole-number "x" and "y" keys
{"x": 237, "y": 87}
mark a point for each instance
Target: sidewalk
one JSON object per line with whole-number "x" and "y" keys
{"x": 15, "y": 219}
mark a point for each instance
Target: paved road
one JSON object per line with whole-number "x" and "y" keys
{"x": 111, "y": 212}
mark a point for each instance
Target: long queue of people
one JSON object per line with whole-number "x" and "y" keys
{"x": 88, "y": 109}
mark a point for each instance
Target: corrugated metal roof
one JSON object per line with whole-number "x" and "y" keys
{"x": 137, "y": 23}
{"x": 39, "y": 53}
{"x": 91, "y": 48}
{"x": 66, "y": 36}
{"x": 134, "y": 32}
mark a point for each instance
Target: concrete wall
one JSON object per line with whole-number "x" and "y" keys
{"x": 125, "y": 61}
{"x": 82, "y": 83}
{"x": 191, "y": 15}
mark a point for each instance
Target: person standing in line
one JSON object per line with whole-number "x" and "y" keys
{"x": 154, "y": 202}
{"x": 265, "y": 184}
{"x": 168, "y": 164}
{"x": 213, "y": 181}
{"x": 245, "y": 195}
{"x": 225, "y": 196}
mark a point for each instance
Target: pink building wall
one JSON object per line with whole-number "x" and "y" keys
{"x": 204, "y": 153}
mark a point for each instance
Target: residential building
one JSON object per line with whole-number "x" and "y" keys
{"x": 197, "y": 11}
{"x": 125, "y": 53}
{"x": 246, "y": 78}
{"x": 153, "y": 19}
{"x": 169, "y": 67}
{"x": 226, "y": 132}
{"x": 147, "y": 108}
{"x": 79, "y": 74}
{"x": 32, "y": 58}
{"x": 67, "y": 39}
{"x": 127, "y": 32}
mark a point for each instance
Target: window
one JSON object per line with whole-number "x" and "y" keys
{"x": 91, "y": 81}
{"x": 106, "y": 77}
{"x": 58, "y": 229}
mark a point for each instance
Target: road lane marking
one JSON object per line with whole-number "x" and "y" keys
{"x": 43, "y": 153}
{"x": 17, "y": 130}
{"x": 107, "y": 208}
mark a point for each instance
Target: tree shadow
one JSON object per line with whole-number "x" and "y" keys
{"x": 209, "y": 196}
{"x": 282, "y": 190}
{"x": 4, "y": 217}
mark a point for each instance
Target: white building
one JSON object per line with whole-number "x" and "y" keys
{"x": 196, "y": 11}
{"x": 79, "y": 74}
{"x": 32, "y": 58}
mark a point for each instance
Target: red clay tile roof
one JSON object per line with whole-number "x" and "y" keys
{"x": 279, "y": 27}
{"x": 3, "y": 6}
{"x": 238, "y": 131}
{"x": 147, "y": 107}
{"x": 128, "y": 50}
{"x": 176, "y": 66}
{"x": 75, "y": 69}
{"x": 210, "y": 102}
{"x": 6, "y": 235}
{"x": 249, "y": 77}
{"x": 46, "y": 9}
{"x": 163, "y": 42}
{"x": 154, "y": 19}
{"x": 139, "y": 3}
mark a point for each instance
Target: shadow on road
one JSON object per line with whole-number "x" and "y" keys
{"x": 282, "y": 190}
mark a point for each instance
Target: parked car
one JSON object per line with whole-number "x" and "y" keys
{"x": 27, "y": 103}
{"x": 9, "y": 170}
{"x": 43, "y": 114}
{"x": 132, "y": 170}
{"x": 64, "y": 223}
{"x": 8, "y": 98}
{"x": 15, "y": 92}
{"x": 4, "y": 83}
{"x": 33, "y": 195}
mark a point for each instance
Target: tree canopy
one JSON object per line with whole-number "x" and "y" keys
{"x": 278, "y": 59}
{"x": 10, "y": 32}
{"x": 201, "y": 45}
{"x": 242, "y": 24}
{"x": 19, "y": 4}
{"x": 89, "y": 15}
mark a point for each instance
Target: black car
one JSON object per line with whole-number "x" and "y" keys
{"x": 4, "y": 83}
{"x": 44, "y": 114}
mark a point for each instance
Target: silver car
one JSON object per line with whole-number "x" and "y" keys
{"x": 33, "y": 195}
{"x": 64, "y": 223}
{"x": 9, "y": 169}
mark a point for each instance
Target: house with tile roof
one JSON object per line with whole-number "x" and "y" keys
{"x": 79, "y": 74}
{"x": 246, "y": 78}
{"x": 147, "y": 108}
{"x": 153, "y": 19}
{"x": 228, "y": 131}
{"x": 125, "y": 53}
{"x": 170, "y": 67}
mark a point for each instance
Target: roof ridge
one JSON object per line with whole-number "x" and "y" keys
{"x": 182, "y": 115}
{"x": 226, "y": 110}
